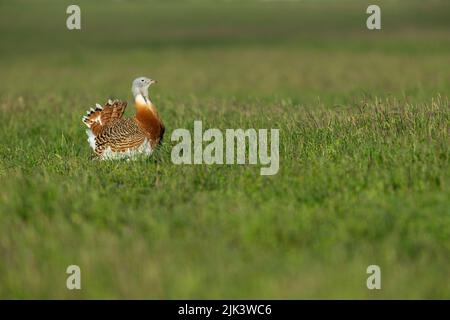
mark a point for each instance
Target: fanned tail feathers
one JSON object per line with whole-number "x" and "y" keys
{"x": 96, "y": 119}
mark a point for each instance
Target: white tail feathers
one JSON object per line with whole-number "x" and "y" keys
{"x": 93, "y": 115}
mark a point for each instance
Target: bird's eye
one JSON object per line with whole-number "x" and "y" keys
{"x": 142, "y": 80}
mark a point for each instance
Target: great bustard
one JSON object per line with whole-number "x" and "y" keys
{"x": 114, "y": 137}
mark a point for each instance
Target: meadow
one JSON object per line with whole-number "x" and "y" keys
{"x": 364, "y": 151}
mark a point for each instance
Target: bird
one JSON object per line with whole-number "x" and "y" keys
{"x": 111, "y": 136}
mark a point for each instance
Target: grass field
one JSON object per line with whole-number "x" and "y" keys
{"x": 364, "y": 150}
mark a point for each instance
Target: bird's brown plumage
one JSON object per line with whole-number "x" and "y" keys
{"x": 120, "y": 135}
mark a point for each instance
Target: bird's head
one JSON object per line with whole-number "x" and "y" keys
{"x": 140, "y": 86}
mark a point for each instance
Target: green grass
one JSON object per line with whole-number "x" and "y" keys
{"x": 364, "y": 151}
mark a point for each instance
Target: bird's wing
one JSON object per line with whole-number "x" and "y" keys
{"x": 100, "y": 117}
{"x": 121, "y": 135}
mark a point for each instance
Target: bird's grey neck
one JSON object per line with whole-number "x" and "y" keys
{"x": 141, "y": 92}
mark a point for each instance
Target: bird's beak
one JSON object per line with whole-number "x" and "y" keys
{"x": 154, "y": 81}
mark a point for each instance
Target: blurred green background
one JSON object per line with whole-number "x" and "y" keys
{"x": 364, "y": 172}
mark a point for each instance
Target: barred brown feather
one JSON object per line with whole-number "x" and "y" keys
{"x": 111, "y": 134}
{"x": 99, "y": 117}
{"x": 121, "y": 135}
